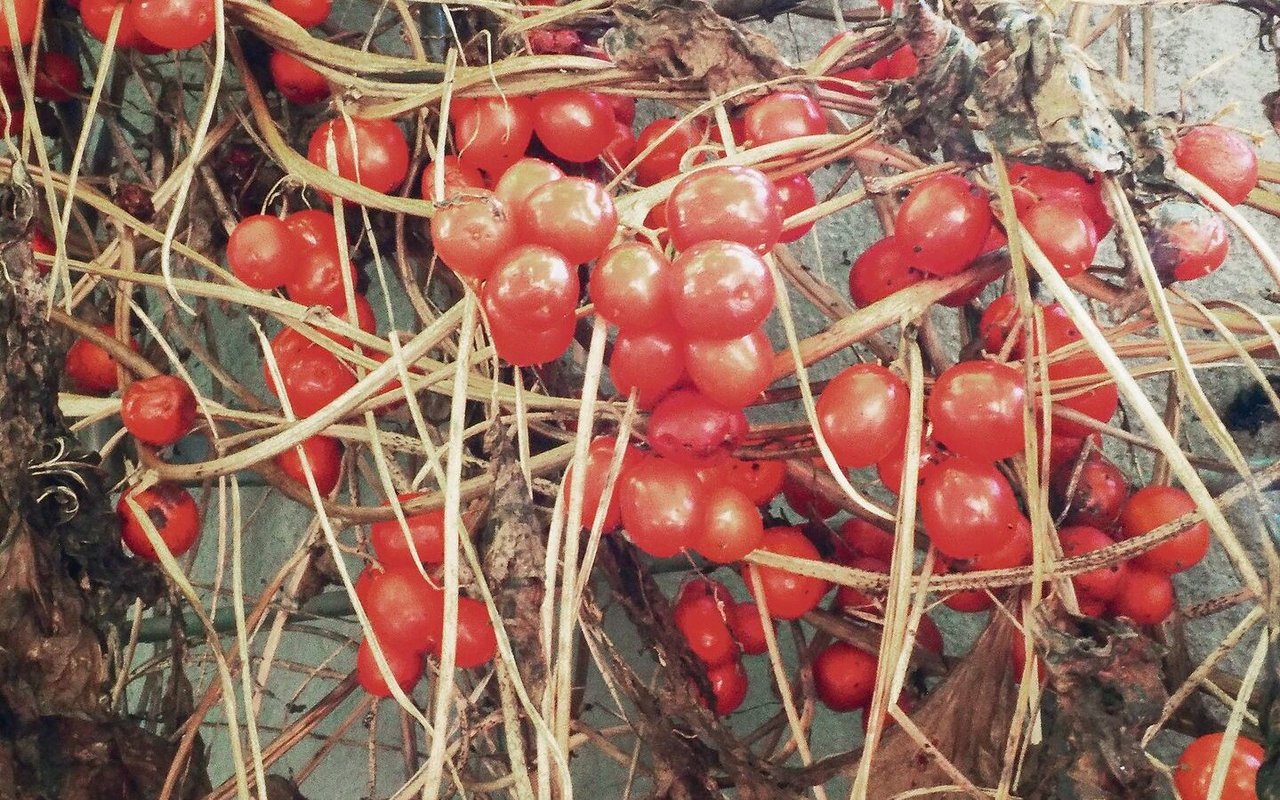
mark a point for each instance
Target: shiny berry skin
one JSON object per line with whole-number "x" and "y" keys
{"x": 262, "y": 251}
{"x": 307, "y": 13}
{"x": 844, "y": 676}
{"x": 472, "y": 232}
{"x": 524, "y": 345}
{"x": 159, "y": 410}
{"x": 1145, "y": 597}
{"x": 377, "y": 158}
{"x": 1064, "y": 233}
{"x": 316, "y": 228}
{"x": 1032, "y": 184}
{"x": 967, "y": 507}
{"x": 573, "y": 216}
{"x": 663, "y": 505}
{"x": 522, "y": 178}
{"x": 58, "y": 77}
{"x": 795, "y": 196}
{"x": 779, "y": 116}
{"x": 786, "y": 594}
{"x": 320, "y": 278}
{"x": 573, "y": 125}
{"x": 649, "y": 362}
{"x": 599, "y": 459}
{"x": 1103, "y": 583}
{"x": 1153, "y": 506}
{"x": 851, "y": 600}
{"x": 1193, "y": 774}
{"x": 720, "y": 290}
{"x": 458, "y": 180}
{"x": 867, "y": 539}
{"x": 622, "y": 148}
{"x": 943, "y": 224}
{"x": 296, "y": 81}
{"x": 976, "y": 408}
{"x": 732, "y": 527}
{"x": 174, "y": 24}
{"x": 27, "y": 16}
{"x": 313, "y": 379}
{"x": 628, "y": 287}
{"x": 477, "y": 642}
{"x": 733, "y": 372}
{"x": 535, "y": 285}
{"x": 881, "y": 270}
{"x": 688, "y": 427}
{"x": 701, "y": 620}
{"x": 760, "y": 481}
{"x": 1186, "y": 240}
{"x": 890, "y": 468}
{"x": 323, "y": 456}
{"x": 1099, "y": 493}
{"x": 404, "y": 610}
{"x": 726, "y": 203}
{"x": 405, "y": 668}
{"x": 1223, "y": 159}
{"x": 670, "y": 141}
{"x": 863, "y": 414}
{"x": 425, "y": 538}
{"x": 729, "y": 687}
{"x": 492, "y": 133}
{"x": 96, "y": 16}
{"x": 748, "y": 629}
{"x": 91, "y": 369}
{"x": 170, "y": 509}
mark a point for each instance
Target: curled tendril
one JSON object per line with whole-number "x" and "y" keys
{"x": 61, "y": 478}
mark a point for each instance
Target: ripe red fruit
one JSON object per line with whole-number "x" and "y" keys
{"x": 622, "y": 148}
{"x": 1099, "y": 493}
{"x": 572, "y": 124}
{"x": 1145, "y": 597}
{"x": 760, "y": 481}
{"x": 786, "y": 594}
{"x": 532, "y": 284}
{"x": 726, "y": 203}
{"x": 27, "y": 16}
{"x": 720, "y": 290}
{"x": 58, "y": 77}
{"x": 1194, "y": 771}
{"x": 1032, "y": 183}
{"x": 890, "y": 468}
{"x": 307, "y": 13}
{"x": 732, "y": 528}
{"x": 296, "y": 81}
{"x": 317, "y": 278}
{"x": 170, "y": 509}
{"x": 316, "y": 228}
{"x": 1153, "y": 506}
{"x": 158, "y": 410}
{"x": 663, "y": 506}
{"x": 687, "y": 427}
{"x": 881, "y": 270}
{"x": 262, "y": 251}
{"x": 748, "y": 629}
{"x": 967, "y": 508}
{"x": 376, "y": 156}
{"x": 670, "y": 141}
{"x": 91, "y": 369}
{"x": 405, "y": 610}
{"x": 174, "y": 24}
{"x": 732, "y": 372}
{"x": 522, "y": 178}
{"x": 795, "y": 196}
{"x": 405, "y": 668}
{"x": 976, "y": 409}
{"x": 472, "y": 232}
{"x": 867, "y": 539}
{"x": 458, "y": 179}
{"x": 313, "y": 378}
{"x": 1015, "y": 552}
{"x": 1102, "y": 583}
{"x": 573, "y": 216}
{"x": 851, "y": 600}
{"x": 477, "y": 641}
{"x": 491, "y": 133}
{"x": 650, "y": 363}
{"x": 599, "y": 457}
{"x": 425, "y": 537}
{"x": 323, "y": 456}
{"x": 844, "y": 676}
{"x": 782, "y": 115}
{"x": 702, "y": 622}
{"x": 729, "y": 687}
{"x": 522, "y": 345}
{"x": 943, "y": 224}
{"x": 863, "y": 413}
{"x": 1186, "y": 240}
{"x": 1220, "y": 157}
{"x": 96, "y": 16}
{"x": 628, "y": 287}
{"x": 1064, "y": 233}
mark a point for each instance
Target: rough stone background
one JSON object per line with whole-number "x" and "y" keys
{"x": 1208, "y": 64}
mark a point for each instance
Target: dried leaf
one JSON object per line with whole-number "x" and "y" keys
{"x": 1105, "y": 689}
{"x": 690, "y": 41}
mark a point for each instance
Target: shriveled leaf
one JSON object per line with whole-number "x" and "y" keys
{"x": 690, "y": 41}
